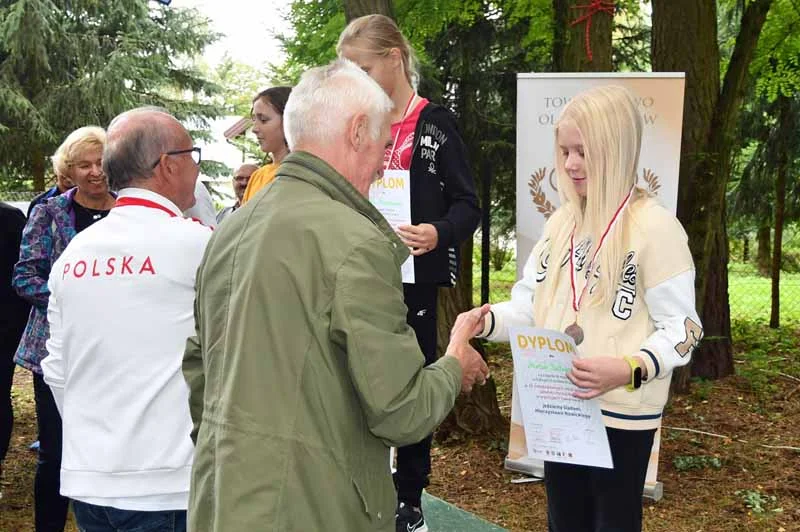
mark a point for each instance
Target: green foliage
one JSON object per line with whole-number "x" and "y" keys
{"x": 239, "y": 83}
{"x": 776, "y": 65}
{"x": 684, "y": 463}
{"x": 315, "y": 29}
{"x": 758, "y": 502}
{"x": 71, "y": 63}
{"x": 762, "y": 354}
{"x": 775, "y": 71}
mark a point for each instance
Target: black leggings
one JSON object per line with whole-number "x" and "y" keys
{"x": 414, "y": 461}
{"x": 592, "y": 499}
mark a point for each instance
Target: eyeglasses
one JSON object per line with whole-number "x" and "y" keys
{"x": 196, "y": 157}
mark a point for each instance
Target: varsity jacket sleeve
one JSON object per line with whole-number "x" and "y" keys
{"x": 402, "y": 401}
{"x": 678, "y": 329}
{"x": 668, "y": 278}
{"x": 463, "y": 214}
{"x": 33, "y": 269}
{"x": 518, "y": 311}
{"x": 53, "y": 364}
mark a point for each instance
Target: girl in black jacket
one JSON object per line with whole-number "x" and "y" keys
{"x": 444, "y": 209}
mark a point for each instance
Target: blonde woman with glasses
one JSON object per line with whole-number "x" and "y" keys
{"x": 612, "y": 270}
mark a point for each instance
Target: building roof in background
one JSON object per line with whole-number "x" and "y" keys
{"x": 238, "y": 128}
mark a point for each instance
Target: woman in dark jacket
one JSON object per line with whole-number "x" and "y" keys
{"x": 50, "y": 228}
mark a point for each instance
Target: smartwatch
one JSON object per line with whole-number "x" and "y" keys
{"x": 636, "y": 375}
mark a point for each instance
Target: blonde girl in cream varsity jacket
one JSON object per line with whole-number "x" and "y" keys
{"x": 637, "y": 310}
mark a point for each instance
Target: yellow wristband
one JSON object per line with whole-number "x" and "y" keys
{"x": 636, "y": 375}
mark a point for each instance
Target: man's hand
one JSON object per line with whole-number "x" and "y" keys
{"x": 598, "y": 375}
{"x": 473, "y": 367}
{"x": 420, "y": 238}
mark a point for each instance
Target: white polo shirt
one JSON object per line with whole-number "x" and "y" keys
{"x": 121, "y": 308}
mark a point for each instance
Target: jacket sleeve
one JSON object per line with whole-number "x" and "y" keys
{"x": 463, "y": 214}
{"x": 53, "y": 364}
{"x": 194, "y": 374}
{"x": 678, "y": 328}
{"x": 402, "y": 400}
{"x": 668, "y": 280}
{"x": 33, "y": 268}
{"x": 518, "y": 311}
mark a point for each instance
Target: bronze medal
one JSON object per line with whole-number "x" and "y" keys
{"x": 575, "y": 332}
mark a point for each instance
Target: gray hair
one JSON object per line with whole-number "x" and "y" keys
{"x": 129, "y": 157}
{"x": 325, "y": 100}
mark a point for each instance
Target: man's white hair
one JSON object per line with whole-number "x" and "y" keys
{"x": 327, "y": 98}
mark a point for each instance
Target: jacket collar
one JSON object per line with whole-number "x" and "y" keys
{"x": 142, "y": 193}
{"x": 316, "y": 172}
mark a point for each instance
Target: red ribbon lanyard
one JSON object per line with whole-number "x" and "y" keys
{"x": 399, "y": 129}
{"x": 139, "y": 202}
{"x": 576, "y": 301}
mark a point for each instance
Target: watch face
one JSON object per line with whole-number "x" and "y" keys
{"x": 637, "y": 378}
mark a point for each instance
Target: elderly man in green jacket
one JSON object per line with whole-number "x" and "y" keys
{"x": 304, "y": 371}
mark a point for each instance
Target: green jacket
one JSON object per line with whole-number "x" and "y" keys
{"x": 304, "y": 371}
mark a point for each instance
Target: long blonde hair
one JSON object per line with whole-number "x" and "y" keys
{"x": 611, "y": 128}
{"x": 378, "y": 34}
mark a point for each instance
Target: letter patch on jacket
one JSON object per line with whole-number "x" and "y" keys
{"x": 544, "y": 258}
{"x": 694, "y": 333}
{"x": 626, "y": 289}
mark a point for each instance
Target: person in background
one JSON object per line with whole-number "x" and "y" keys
{"x": 117, "y": 382}
{"x": 267, "y": 115}
{"x": 240, "y": 179}
{"x": 203, "y": 209}
{"x": 13, "y": 317}
{"x": 427, "y": 148}
{"x": 304, "y": 370}
{"x": 613, "y": 270}
{"x": 63, "y": 183}
{"x": 51, "y": 226}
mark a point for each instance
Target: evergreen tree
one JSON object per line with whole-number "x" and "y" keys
{"x": 70, "y": 63}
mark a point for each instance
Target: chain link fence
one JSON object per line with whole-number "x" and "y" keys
{"x": 750, "y": 284}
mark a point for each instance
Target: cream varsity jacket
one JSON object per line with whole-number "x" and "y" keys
{"x": 653, "y": 313}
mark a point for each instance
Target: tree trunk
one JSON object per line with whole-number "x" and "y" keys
{"x": 571, "y": 50}
{"x": 764, "y": 252}
{"x": 359, "y": 8}
{"x": 786, "y": 129}
{"x": 478, "y": 412}
{"x": 685, "y": 39}
{"x": 745, "y": 248}
{"x": 38, "y": 169}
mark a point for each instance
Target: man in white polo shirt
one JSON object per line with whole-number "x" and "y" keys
{"x": 120, "y": 311}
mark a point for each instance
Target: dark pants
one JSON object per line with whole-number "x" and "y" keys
{"x": 93, "y": 518}
{"x": 6, "y": 412}
{"x": 414, "y": 461}
{"x": 592, "y": 499}
{"x": 50, "y": 507}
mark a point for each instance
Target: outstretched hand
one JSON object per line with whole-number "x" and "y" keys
{"x": 473, "y": 367}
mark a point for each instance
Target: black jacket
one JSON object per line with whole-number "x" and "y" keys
{"x": 13, "y": 309}
{"x": 442, "y": 193}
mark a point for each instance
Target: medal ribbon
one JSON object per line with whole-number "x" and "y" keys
{"x": 399, "y": 129}
{"x": 576, "y": 300}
